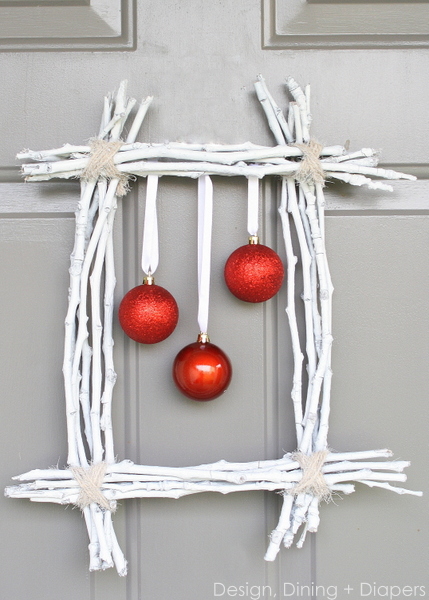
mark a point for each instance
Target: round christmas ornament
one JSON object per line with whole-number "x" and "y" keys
{"x": 254, "y": 272}
{"x": 148, "y": 313}
{"x": 202, "y": 371}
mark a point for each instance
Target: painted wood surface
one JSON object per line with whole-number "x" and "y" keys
{"x": 199, "y": 60}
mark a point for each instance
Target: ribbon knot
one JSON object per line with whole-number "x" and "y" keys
{"x": 90, "y": 480}
{"x": 101, "y": 164}
{"x": 312, "y": 481}
{"x": 310, "y": 169}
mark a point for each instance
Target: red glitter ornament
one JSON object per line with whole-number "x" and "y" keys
{"x": 148, "y": 313}
{"x": 202, "y": 371}
{"x": 254, "y": 272}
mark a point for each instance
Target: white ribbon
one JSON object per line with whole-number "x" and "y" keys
{"x": 150, "y": 250}
{"x": 205, "y": 220}
{"x": 252, "y": 205}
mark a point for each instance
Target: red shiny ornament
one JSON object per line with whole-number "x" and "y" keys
{"x": 254, "y": 272}
{"x": 148, "y": 313}
{"x": 202, "y": 371}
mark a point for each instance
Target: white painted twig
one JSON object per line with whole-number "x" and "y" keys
{"x": 96, "y": 335}
{"x": 301, "y": 103}
{"x": 321, "y": 441}
{"x": 391, "y": 488}
{"x": 279, "y": 470}
{"x": 270, "y": 113}
{"x": 138, "y": 119}
{"x": 291, "y": 261}
{"x": 109, "y": 369}
{"x": 325, "y": 299}
{"x": 309, "y": 293}
{"x": 299, "y": 137}
{"x": 166, "y": 152}
{"x": 277, "y": 111}
{"x": 279, "y": 532}
{"x": 359, "y": 180}
{"x": 349, "y": 167}
{"x": 98, "y": 243}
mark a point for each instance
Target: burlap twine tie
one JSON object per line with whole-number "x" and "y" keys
{"x": 312, "y": 481}
{"x": 101, "y": 164}
{"x": 90, "y": 480}
{"x": 310, "y": 169}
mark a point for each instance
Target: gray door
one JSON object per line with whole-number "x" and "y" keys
{"x": 366, "y": 63}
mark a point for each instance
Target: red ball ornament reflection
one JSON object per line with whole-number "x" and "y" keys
{"x": 148, "y": 313}
{"x": 254, "y": 272}
{"x": 202, "y": 371}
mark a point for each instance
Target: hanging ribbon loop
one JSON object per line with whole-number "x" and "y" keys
{"x": 205, "y": 220}
{"x": 150, "y": 246}
{"x": 253, "y": 205}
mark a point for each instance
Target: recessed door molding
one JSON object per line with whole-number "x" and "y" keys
{"x": 73, "y": 25}
{"x": 330, "y": 24}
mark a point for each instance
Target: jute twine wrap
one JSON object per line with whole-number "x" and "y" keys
{"x": 310, "y": 169}
{"x": 101, "y": 164}
{"x": 90, "y": 481}
{"x": 312, "y": 481}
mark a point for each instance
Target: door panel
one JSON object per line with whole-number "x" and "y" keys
{"x": 199, "y": 60}
{"x": 380, "y": 391}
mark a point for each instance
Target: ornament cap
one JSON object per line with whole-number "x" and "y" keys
{"x": 149, "y": 280}
{"x": 254, "y": 239}
{"x": 203, "y": 338}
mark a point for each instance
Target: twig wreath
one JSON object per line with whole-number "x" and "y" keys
{"x": 93, "y": 480}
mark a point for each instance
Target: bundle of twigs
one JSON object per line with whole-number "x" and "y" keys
{"x": 93, "y": 480}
